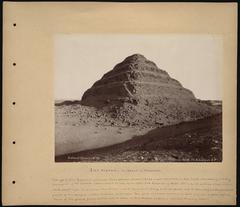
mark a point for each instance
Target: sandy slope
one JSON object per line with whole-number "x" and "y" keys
{"x": 76, "y": 138}
{"x": 199, "y": 140}
{"x": 80, "y": 128}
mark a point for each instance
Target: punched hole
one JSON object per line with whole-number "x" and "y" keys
{"x": 14, "y": 64}
{"x": 14, "y": 24}
{"x": 14, "y": 103}
{"x": 14, "y": 142}
{"x": 13, "y": 182}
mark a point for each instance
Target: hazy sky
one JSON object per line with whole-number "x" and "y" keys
{"x": 194, "y": 60}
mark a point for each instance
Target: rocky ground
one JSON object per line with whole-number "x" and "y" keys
{"x": 199, "y": 140}
{"x": 167, "y": 112}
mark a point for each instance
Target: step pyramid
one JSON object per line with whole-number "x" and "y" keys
{"x": 135, "y": 80}
{"x": 142, "y": 91}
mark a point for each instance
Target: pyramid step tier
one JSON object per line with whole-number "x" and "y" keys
{"x": 137, "y": 90}
{"x": 144, "y": 76}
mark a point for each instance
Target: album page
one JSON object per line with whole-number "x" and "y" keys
{"x": 119, "y": 103}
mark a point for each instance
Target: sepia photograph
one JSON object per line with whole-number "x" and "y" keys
{"x": 138, "y": 98}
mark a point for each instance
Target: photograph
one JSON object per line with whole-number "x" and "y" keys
{"x": 138, "y": 98}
